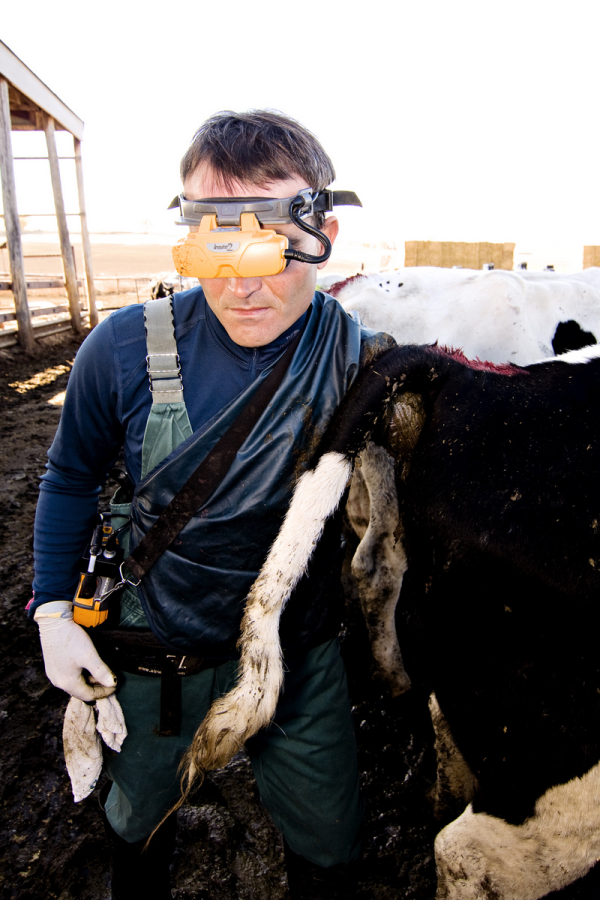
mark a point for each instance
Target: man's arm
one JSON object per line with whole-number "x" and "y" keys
{"x": 86, "y": 445}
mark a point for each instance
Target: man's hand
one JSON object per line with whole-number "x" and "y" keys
{"x": 67, "y": 650}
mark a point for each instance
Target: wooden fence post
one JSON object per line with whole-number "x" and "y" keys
{"x": 85, "y": 237}
{"x": 11, "y": 223}
{"x": 63, "y": 231}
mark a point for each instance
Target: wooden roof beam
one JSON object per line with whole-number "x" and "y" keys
{"x": 26, "y": 82}
{"x": 11, "y": 220}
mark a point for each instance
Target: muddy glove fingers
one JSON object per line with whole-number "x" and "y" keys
{"x": 68, "y": 650}
{"x": 82, "y": 748}
{"x": 111, "y": 722}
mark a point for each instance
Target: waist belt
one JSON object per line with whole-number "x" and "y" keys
{"x": 139, "y": 652}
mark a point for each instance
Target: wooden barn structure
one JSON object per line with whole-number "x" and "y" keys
{"x": 591, "y": 256}
{"x": 27, "y": 104}
{"x": 452, "y": 253}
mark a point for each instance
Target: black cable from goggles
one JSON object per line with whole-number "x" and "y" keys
{"x": 296, "y": 204}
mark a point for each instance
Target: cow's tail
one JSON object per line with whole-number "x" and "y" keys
{"x": 238, "y": 715}
{"x": 251, "y": 704}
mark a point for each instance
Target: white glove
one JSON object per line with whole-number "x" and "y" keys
{"x": 82, "y": 746}
{"x": 111, "y": 722}
{"x": 67, "y": 650}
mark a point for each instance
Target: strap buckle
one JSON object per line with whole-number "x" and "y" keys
{"x": 170, "y": 371}
{"x": 159, "y": 375}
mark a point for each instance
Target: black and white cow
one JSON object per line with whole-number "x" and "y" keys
{"x": 497, "y": 316}
{"x": 522, "y": 315}
{"x": 165, "y": 284}
{"x": 500, "y": 495}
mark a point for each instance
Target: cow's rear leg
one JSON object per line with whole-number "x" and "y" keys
{"x": 379, "y": 563}
{"x": 480, "y": 857}
{"x": 455, "y": 785}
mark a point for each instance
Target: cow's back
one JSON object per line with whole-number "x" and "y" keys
{"x": 501, "y": 512}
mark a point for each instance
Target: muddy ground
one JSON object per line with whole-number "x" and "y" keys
{"x": 227, "y": 847}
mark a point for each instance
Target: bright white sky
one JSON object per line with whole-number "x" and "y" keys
{"x": 452, "y": 120}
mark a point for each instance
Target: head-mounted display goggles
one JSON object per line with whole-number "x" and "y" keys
{"x": 232, "y": 242}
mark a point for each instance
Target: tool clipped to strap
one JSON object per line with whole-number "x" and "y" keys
{"x": 231, "y": 238}
{"x": 203, "y": 482}
{"x": 100, "y": 572}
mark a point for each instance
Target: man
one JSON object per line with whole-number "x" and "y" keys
{"x": 229, "y": 334}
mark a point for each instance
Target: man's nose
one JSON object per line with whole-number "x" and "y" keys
{"x": 243, "y": 287}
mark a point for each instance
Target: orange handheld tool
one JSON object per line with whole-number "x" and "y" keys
{"x": 99, "y": 573}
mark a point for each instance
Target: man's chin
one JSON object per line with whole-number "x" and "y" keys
{"x": 253, "y": 331}
{"x": 253, "y": 334}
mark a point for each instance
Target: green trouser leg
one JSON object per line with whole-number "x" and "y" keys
{"x": 305, "y": 763}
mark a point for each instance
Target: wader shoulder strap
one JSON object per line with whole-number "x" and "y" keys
{"x": 209, "y": 474}
{"x": 164, "y": 370}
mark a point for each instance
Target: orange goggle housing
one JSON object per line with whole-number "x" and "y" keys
{"x": 244, "y": 252}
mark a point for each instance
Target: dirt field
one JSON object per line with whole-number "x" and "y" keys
{"x": 107, "y": 258}
{"x": 227, "y": 847}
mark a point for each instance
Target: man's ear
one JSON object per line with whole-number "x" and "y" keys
{"x": 330, "y": 227}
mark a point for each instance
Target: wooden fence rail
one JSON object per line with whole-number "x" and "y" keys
{"x": 58, "y": 323}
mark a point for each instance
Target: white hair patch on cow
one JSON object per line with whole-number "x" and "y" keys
{"x": 251, "y": 704}
{"x": 574, "y": 357}
{"x": 479, "y": 856}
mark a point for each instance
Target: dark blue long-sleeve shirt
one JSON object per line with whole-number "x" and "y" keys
{"x": 106, "y": 408}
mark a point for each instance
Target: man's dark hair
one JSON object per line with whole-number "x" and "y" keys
{"x": 258, "y": 146}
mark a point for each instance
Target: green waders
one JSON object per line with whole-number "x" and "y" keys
{"x": 305, "y": 763}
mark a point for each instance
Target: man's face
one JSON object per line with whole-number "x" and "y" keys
{"x": 254, "y": 311}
